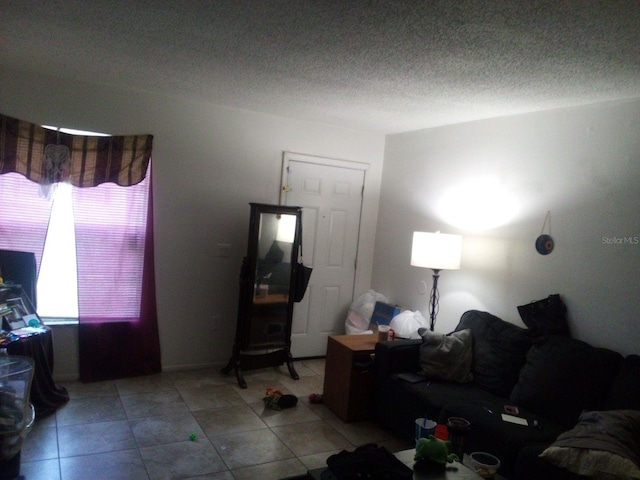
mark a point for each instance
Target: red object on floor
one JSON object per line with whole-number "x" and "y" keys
{"x": 441, "y": 432}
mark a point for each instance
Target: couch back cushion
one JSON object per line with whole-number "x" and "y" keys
{"x": 499, "y": 351}
{"x": 625, "y": 391}
{"x": 564, "y": 376}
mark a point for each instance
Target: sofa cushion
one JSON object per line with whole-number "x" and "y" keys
{"x": 499, "y": 351}
{"x": 625, "y": 391}
{"x": 601, "y": 445}
{"x": 563, "y": 376}
{"x": 446, "y": 357}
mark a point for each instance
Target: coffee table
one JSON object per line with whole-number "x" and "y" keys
{"x": 452, "y": 471}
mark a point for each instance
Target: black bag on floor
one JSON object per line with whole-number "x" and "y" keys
{"x": 370, "y": 462}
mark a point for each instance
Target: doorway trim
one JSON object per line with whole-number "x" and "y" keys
{"x": 330, "y": 162}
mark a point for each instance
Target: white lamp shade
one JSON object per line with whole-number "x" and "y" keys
{"x": 439, "y": 251}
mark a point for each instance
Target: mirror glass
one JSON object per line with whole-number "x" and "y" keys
{"x": 273, "y": 267}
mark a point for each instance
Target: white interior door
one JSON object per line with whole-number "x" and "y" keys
{"x": 330, "y": 194}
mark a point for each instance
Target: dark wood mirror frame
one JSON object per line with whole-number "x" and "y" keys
{"x": 265, "y": 306}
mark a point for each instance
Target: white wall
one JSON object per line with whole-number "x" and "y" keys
{"x": 208, "y": 163}
{"x": 582, "y": 164}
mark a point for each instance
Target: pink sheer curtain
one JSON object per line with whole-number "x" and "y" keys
{"x": 118, "y": 331}
{"x": 113, "y": 209}
{"x": 24, "y": 216}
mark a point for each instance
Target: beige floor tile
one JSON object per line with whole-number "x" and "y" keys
{"x": 41, "y": 443}
{"x": 311, "y": 437}
{"x": 271, "y": 471}
{"x": 91, "y": 410}
{"x": 165, "y": 429}
{"x": 316, "y": 365}
{"x": 316, "y": 460}
{"x": 200, "y": 378}
{"x": 152, "y": 404}
{"x": 160, "y": 382}
{"x": 220, "y": 421}
{"x": 105, "y": 466}
{"x": 211, "y": 396}
{"x": 298, "y": 414}
{"x": 303, "y": 387}
{"x": 244, "y": 449}
{"x": 360, "y": 433}
{"x": 41, "y": 469}
{"x": 90, "y": 438}
{"x": 181, "y": 460}
{"x": 139, "y": 429}
{"x": 225, "y": 475}
{"x": 96, "y": 389}
{"x": 256, "y": 389}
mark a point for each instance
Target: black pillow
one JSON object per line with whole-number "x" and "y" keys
{"x": 564, "y": 376}
{"x": 625, "y": 391}
{"x": 499, "y": 351}
{"x": 545, "y": 317}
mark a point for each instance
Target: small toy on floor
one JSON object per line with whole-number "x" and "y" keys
{"x": 276, "y": 400}
{"x": 315, "y": 398}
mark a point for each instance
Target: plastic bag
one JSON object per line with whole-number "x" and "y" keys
{"x": 360, "y": 312}
{"x": 407, "y": 323}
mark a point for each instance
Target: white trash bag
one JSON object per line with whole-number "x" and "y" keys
{"x": 360, "y": 312}
{"x": 407, "y": 323}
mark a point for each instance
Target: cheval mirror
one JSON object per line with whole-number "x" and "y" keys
{"x": 265, "y": 307}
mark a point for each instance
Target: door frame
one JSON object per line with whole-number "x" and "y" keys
{"x": 329, "y": 162}
{"x": 326, "y": 161}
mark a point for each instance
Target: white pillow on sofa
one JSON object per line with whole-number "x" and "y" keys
{"x": 446, "y": 357}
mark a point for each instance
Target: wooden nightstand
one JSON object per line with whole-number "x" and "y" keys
{"x": 348, "y": 375}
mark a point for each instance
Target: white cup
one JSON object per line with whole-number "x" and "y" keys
{"x": 424, "y": 428}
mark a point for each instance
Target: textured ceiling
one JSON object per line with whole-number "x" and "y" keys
{"x": 388, "y": 66}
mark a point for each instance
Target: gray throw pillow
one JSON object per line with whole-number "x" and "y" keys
{"x": 446, "y": 357}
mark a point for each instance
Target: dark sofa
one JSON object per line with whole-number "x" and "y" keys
{"x": 551, "y": 379}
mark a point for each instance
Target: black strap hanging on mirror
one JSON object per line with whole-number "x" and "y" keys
{"x": 302, "y": 273}
{"x": 544, "y": 243}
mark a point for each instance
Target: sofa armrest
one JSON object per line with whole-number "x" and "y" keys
{"x": 399, "y": 356}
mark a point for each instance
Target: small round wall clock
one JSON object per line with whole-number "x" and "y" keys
{"x": 544, "y": 243}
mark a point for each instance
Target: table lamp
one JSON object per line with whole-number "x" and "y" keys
{"x": 437, "y": 251}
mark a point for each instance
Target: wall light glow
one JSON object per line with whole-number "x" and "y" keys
{"x": 477, "y": 205}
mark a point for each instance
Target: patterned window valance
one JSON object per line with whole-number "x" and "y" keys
{"x": 46, "y": 156}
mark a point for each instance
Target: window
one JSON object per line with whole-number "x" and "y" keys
{"x": 111, "y": 211}
{"x": 58, "y": 275}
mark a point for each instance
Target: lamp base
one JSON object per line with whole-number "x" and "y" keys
{"x": 433, "y": 300}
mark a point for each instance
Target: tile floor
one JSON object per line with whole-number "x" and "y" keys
{"x": 139, "y": 429}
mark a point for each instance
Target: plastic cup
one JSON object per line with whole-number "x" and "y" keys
{"x": 458, "y": 429}
{"x": 383, "y": 333}
{"x": 424, "y": 428}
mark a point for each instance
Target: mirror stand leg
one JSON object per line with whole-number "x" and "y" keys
{"x": 226, "y": 370}
{"x": 235, "y": 363}
{"x": 292, "y": 370}
{"x": 239, "y": 376}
